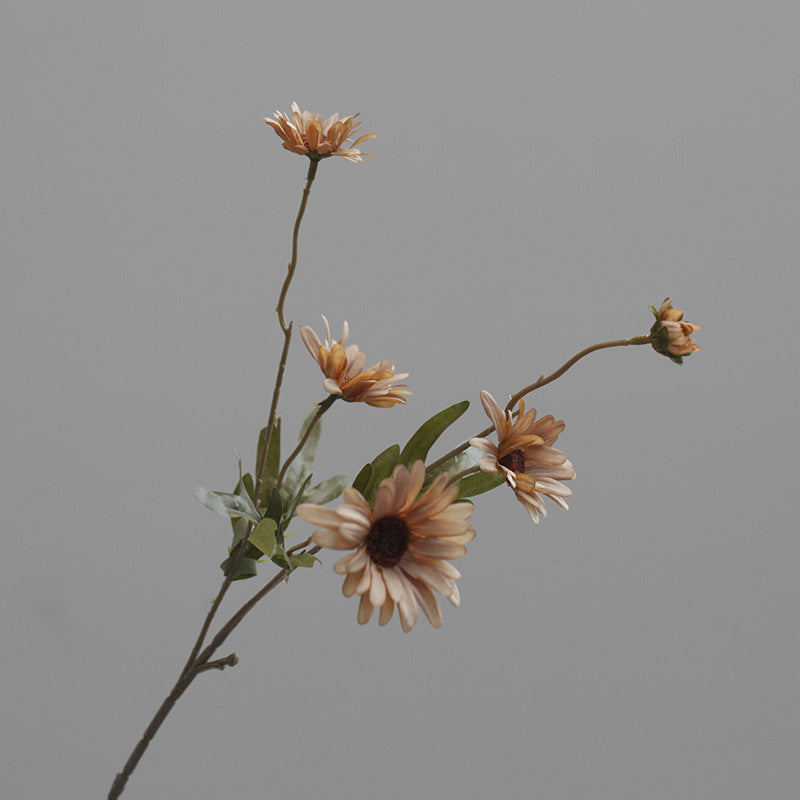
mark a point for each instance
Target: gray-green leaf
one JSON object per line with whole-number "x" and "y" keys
{"x": 327, "y": 490}
{"x": 303, "y": 464}
{"x": 226, "y": 504}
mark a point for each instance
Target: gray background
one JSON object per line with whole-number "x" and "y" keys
{"x": 544, "y": 172}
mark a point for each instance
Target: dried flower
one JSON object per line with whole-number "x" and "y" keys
{"x": 525, "y": 453}
{"x": 345, "y": 374}
{"x": 670, "y": 336}
{"x": 400, "y": 544}
{"x": 309, "y": 135}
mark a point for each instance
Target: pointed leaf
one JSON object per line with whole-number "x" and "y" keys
{"x": 422, "y": 441}
{"x": 304, "y": 560}
{"x": 263, "y": 536}
{"x": 362, "y": 479}
{"x": 246, "y": 484}
{"x": 293, "y": 503}
{"x": 279, "y": 556}
{"x": 479, "y": 483}
{"x": 273, "y": 463}
{"x": 240, "y": 528}
{"x": 452, "y": 466}
{"x": 303, "y": 463}
{"x": 226, "y": 504}
{"x": 382, "y": 466}
{"x": 326, "y": 491}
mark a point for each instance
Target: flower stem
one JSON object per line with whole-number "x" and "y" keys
{"x": 321, "y": 409}
{"x": 199, "y": 662}
{"x": 285, "y": 327}
{"x": 260, "y": 466}
{"x": 542, "y": 381}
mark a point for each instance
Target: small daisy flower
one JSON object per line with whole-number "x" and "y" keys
{"x": 670, "y": 335}
{"x": 345, "y": 374}
{"x": 401, "y": 544}
{"x": 524, "y": 452}
{"x": 309, "y": 135}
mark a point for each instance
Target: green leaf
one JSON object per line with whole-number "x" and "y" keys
{"x": 382, "y": 466}
{"x": 248, "y": 568}
{"x": 246, "y": 483}
{"x": 303, "y": 463}
{"x": 362, "y": 479}
{"x": 263, "y": 536}
{"x": 279, "y": 557}
{"x": 240, "y": 528}
{"x": 326, "y": 491}
{"x": 273, "y": 463}
{"x": 274, "y": 512}
{"x": 479, "y": 483}
{"x": 293, "y": 503}
{"x": 304, "y": 560}
{"x": 274, "y": 509}
{"x": 226, "y": 504}
{"x": 422, "y": 441}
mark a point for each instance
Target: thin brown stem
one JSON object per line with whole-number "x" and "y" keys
{"x": 286, "y": 328}
{"x": 299, "y": 546}
{"x": 321, "y": 409}
{"x": 260, "y": 466}
{"x": 542, "y": 381}
{"x": 229, "y": 661}
{"x": 229, "y": 626}
{"x": 199, "y": 662}
{"x": 202, "y": 663}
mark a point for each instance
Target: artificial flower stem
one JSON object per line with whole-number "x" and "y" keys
{"x": 201, "y": 663}
{"x": 285, "y": 327}
{"x": 463, "y": 474}
{"x": 260, "y": 466}
{"x": 321, "y": 409}
{"x": 543, "y": 381}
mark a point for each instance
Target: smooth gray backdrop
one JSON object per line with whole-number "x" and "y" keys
{"x": 544, "y": 171}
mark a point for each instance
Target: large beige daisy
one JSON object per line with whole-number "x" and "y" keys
{"x": 309, "y": 135}
{"x": 401, "y": 544}
{"x": 346, "y": 375}
{"x": 524, "y": 452}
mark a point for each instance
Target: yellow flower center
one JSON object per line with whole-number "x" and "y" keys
{"x": 515, "y": 461}
{"x": 387, "y": 541}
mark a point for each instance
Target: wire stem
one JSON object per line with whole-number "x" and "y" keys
{"x": 542, "y": 381}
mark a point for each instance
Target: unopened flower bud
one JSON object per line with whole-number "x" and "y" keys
{"x": 670, "y": 335}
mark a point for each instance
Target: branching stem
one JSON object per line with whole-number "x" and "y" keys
{"x": 200, "y": 661}
{"x": 542, "y": 381}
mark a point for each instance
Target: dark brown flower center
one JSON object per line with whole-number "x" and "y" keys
{"x": 387, "y": 541}
{"x": 515, "y": 461}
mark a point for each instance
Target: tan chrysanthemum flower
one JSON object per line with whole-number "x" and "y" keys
{"x": 345, "y": 375}
{"x": 525, "y": 453}
{"x": 309, "y": 135}
{"x": 400, "y": 544}
{"x": 671, "y": 336}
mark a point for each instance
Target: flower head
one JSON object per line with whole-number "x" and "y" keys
{"x": 670, "y": 335}
{"x": 525, "y": 453}
{"x": 309, "y": 135}
{"x": 400, "y": 544}
{"x": 345, "y": 375}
